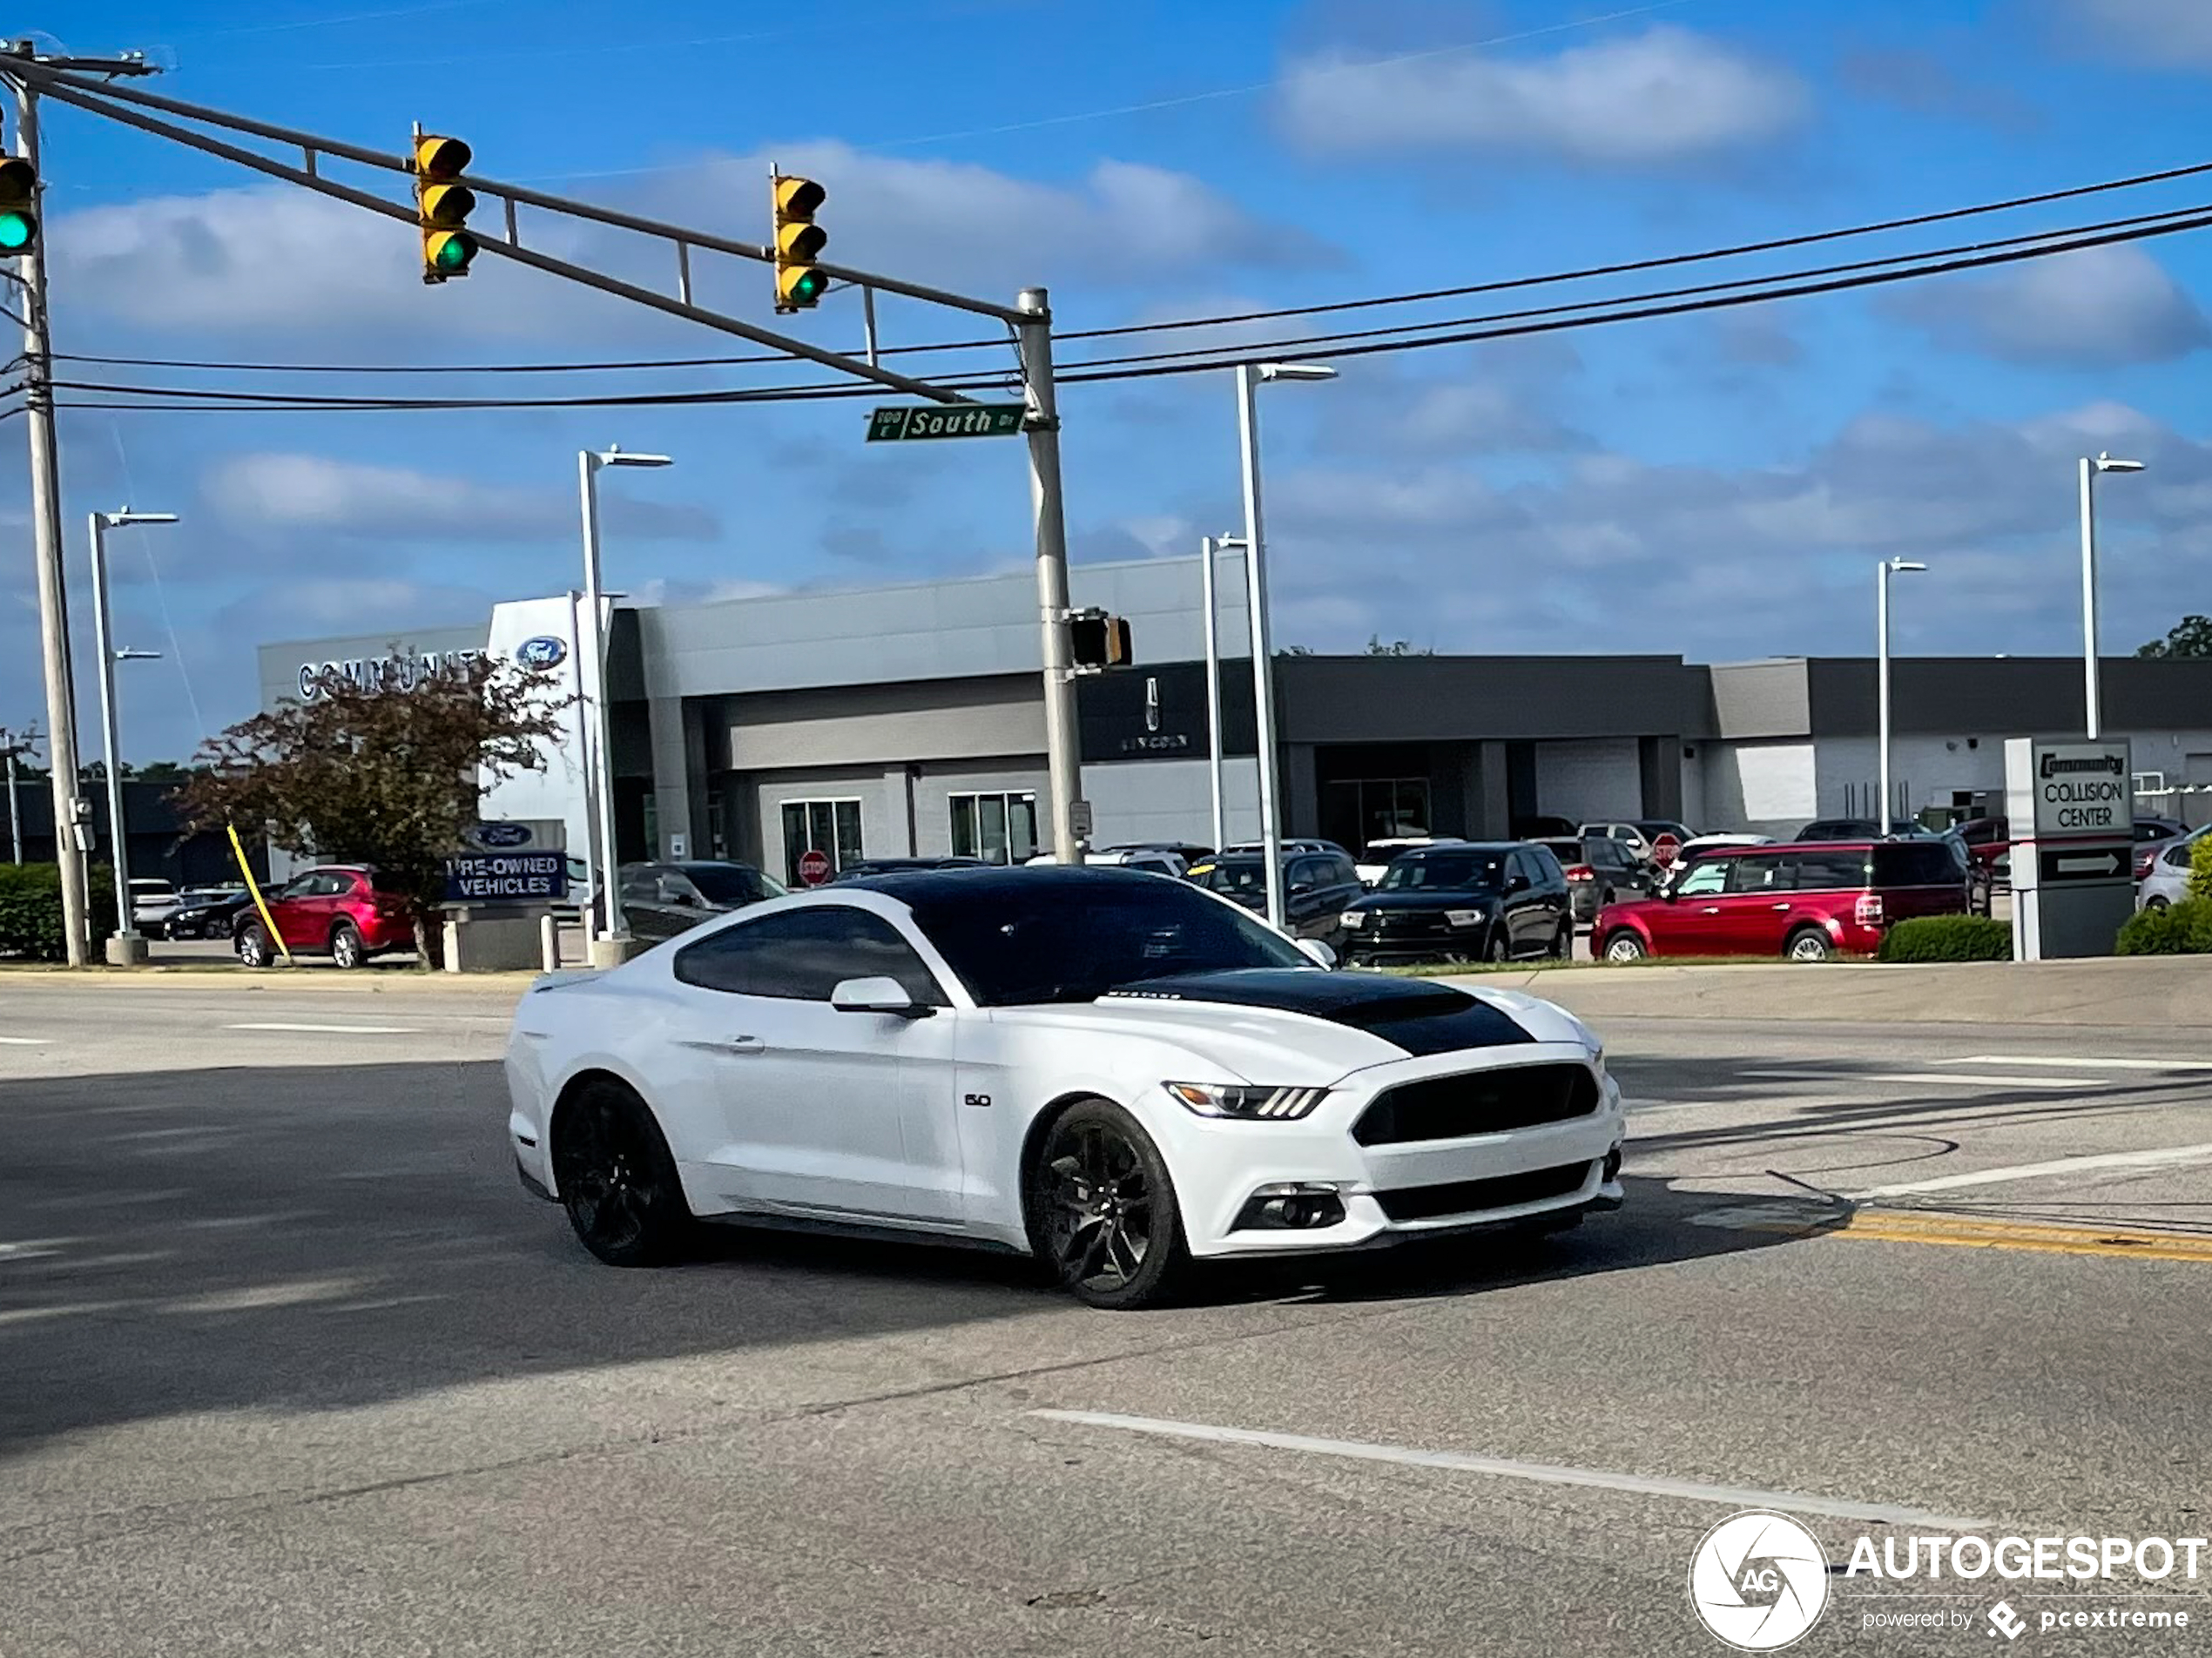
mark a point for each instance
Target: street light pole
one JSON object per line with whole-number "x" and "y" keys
{"x": 127, "y": 948}
{"x": 1210, "y": 604}
{"x": 2092, "y": 709}
{"x": 1249, "y": 376}
{"x": 1883, "y": 571}
{"x": 613, "y": 947}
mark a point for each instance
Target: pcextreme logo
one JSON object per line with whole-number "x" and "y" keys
{"x": 1759, "y": 1581}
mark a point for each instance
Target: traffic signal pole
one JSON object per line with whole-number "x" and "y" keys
{"x": 1063, "y": 736}
{"x": 46, "y": 537}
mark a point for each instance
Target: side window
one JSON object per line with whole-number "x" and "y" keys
{"x": 1764, "y": 874}
{"x": 2181, "y": 854}
{"x": 1303, "y": 872}
{"x": 1831, "y": 872}
{"x": 1543, "y": 868}
{"x": 802, "y": 955}
{"x": 1705, "y": 880}
{"x": 299, "y": 887}
{"x": 1344, "y": 872}
{"x": 1914, "y": 863}
{"x": 642, "y": 886}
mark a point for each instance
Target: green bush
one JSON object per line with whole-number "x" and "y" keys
{"x": 1948, "y": 938}
{"x": 2201, "y": 868}
{"x": 31, "y": 911}
{"x": 2181, "y": 929}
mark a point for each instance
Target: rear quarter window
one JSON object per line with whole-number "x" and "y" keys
{"x": 1831, "y": 872}
{"x": 1915, "y": 863}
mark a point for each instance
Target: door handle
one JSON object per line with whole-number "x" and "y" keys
{"x": 743, "y": 1045}
{"x": 1710, "y": 909}
{"x": 1779, "y": 907}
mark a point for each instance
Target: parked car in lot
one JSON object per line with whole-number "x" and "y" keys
{"x": 207, "y": 912}
{"x": 2167, "y": 880}
{"x": 1376, "y": 856}
{"x": 2153, "y": 837}
{"x": 338, "y": 910}
{"x": 152, "y": 902}
{"x": 660, "y": 901}
{"x": 1317, "y": 888}
{"x": 1115, "y": 1076}
{"x": 1150, "y": 860}
{"x": 861, "y": 867}
{"x": 1804, "y": 903}
{"x": 1600, "y": 871}
{"x": 1642, "y": 834}
{"x": 1469, "y": 901}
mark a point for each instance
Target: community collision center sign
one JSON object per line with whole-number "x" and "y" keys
{"x": 2083, "y": 790}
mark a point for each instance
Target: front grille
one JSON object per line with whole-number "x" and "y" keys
{"x": 1451, "y": 1108}
{"x": 1411, "y": 924}
{"x": 1474, "y": 1196}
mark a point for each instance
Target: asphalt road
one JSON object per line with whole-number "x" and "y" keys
{"x": 289, "y": 1363}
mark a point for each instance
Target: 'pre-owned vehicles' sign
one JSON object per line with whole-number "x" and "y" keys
{"x": 2084, "y": 789}
{"x": 509, "y": 876}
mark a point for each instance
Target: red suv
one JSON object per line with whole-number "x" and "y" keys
{"x": 337, "y": 911}
{"x": 1804, "y": 903}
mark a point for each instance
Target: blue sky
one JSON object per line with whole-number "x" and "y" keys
{"x": 1717, "y": 486}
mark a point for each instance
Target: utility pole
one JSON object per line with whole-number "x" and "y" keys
{"x": 12, "y": 745}
{"x": 1062, "y": 736}
{"x": 70, "y": 806}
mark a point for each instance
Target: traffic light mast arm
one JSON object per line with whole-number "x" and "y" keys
{"x": 51, "y": 81}
{"x": 531, "y": 257}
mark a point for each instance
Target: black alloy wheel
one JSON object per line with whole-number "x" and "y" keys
{"x": 617, "y": 1180}
{"x": 1102, "y": 1209}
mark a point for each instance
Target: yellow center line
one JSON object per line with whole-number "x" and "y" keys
{"x": 1961, "y": 1231}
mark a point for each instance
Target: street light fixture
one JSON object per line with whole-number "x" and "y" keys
{"x": 1883, "y": 571}
{"x": 2093, "y": 710}
{"x": 615, "y": 940}
{"x": 1249, "y": 376}
{"x": 127, "y": 948}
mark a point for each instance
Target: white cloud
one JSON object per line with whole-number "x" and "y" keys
{"x": 1657, "y": 99}
{"x": 318, "y": 494}
{"x": 2100, "y": 307}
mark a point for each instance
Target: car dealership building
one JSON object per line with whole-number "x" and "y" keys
{"x": 910, "y": 720}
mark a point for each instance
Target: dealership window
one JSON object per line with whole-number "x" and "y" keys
{"x": 998, "y": 828}
{"x": 828, "y": 827}
{"x": 1356, "y": 811}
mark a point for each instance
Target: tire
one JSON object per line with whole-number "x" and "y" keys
{"x": 1625, "y": 946}
{"x": 1497, "y": 950}
{"x": 2154, "y": 902}
{"x": 1096, "y": 1172}
{"x": 347, "y": 950}
{"x": 1563, "y": 943}
{"x": 254, "y": 945}
{"x": 616, "y": 1179}
{"x": 1808, "y": 944}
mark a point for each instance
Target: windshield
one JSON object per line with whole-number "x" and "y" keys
{"x": 732, "y": 883}
{"x": 1056, "y": 945}
{"x": 1461, "y": 871}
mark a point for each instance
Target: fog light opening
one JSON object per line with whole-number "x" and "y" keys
{"x": 1612, "y": 1166}
{"x": 1291, "y": 1206}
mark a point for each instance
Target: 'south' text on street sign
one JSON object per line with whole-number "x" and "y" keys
{"x": 966, "y": 420}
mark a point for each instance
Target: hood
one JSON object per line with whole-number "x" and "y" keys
{"x": 1299, "y": 1025}
{"x": 1426, "y": 898}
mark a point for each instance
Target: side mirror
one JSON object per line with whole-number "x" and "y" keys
{"x": 1516, "y": 883}
{"x": 1322, "y": 955}
{"x": 877, "y": 996}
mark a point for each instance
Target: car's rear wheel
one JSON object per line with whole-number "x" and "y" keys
{"x": 1809, "y": 943}
{"x": 1102, "y": 1209}
{"x": 2154, "y": 902}
{"x": 1624, "y": 947}
{"x": 347, "y": 949}
{"x": 254, "y": 945}
{"x": 617, "y": 1180}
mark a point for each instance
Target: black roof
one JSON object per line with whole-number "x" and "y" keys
{"x": 925, "y": 885}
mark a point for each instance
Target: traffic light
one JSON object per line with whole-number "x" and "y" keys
{"x": 1097, "y": 641}
{"x": 18, "y": 207}
{"x": 442, "y": 206}
{"x": 799, "y": 285}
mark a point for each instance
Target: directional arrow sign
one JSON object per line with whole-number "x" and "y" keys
{"x": 961, "y": 419}
{"x": 2085, "y": 864}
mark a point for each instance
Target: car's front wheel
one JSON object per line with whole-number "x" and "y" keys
{"x": 1102, "y": 1209}
{"x": 617, "y": 1180}
{"x": 1624, "y": 947}
{"x": 254, "y": 945}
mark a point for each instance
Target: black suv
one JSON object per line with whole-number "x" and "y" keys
{"x": 1317, "y": 887}
{"x": 660, "y": 901}
{"x": 1480, "y": 901}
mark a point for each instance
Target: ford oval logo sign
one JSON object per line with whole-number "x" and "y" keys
{"x": 542, "y": 652}
{"x": 504, "y": 836}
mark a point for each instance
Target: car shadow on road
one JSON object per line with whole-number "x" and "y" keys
{"x": 327, "y": 1237}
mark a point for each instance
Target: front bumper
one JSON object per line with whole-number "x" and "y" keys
{"x": 1386, "y": 1193}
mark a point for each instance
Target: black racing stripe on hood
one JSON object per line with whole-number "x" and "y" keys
{"x": 1420, "y": 1017}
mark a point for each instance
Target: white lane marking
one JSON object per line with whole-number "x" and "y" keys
{"x": 1545, "y": 1473}
{"x": 2161, "y": 1157}
{"x": 337, "y": 1030}
{"x": 24, "y": 1042}
{"x": 1953, "y": 1079}
{"x": 2085, "y": 1064}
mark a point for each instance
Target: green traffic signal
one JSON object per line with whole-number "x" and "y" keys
{"x": 17, "y": 231}
{"x": 19, "y": 206}
{"x": 810, "y": 287}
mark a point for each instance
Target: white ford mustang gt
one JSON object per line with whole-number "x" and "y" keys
{"x": 1112, "y": 1071}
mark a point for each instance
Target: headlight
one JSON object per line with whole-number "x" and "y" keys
{"x": 1354, "y": 917}
{"x": 1464, "y": 918}
{"x": 1240, "y": 1100}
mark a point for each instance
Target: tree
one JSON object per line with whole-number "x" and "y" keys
{"x": 382, "y": 776}
{"x": 2192, "y": 637}
{"x": 162, "y": 772}
{"x": 1294, "y": 651}
{"x": 1395, "y": 648}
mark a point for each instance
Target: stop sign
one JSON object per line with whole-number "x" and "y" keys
{"x": 813, "y": 866}
{"x": 1666, "y": 849}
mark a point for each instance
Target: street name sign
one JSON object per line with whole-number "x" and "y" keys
{"x": 908, "y": 421}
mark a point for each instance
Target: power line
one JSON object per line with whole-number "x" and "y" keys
{"x": 1503, "y": 285}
